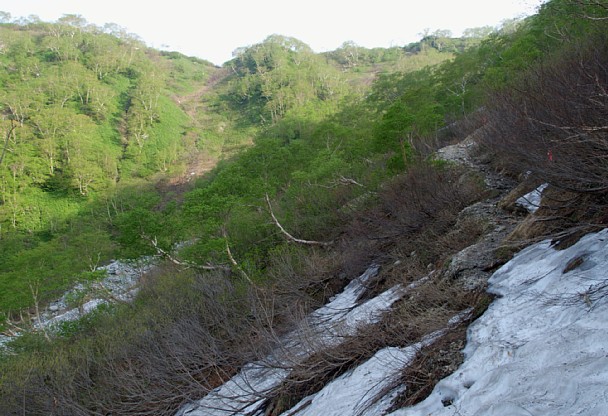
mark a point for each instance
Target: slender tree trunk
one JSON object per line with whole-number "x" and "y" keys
{"x": 6, "y": 140}
{"x": 291, "y": 237}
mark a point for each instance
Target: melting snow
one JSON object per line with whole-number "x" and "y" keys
{"x": 354, "y": 392}
{"x": 531, "y": 200}
{"x": 541, "y": 348}
{"x": 326, "y": 327}
{"x": 120, "y": 284}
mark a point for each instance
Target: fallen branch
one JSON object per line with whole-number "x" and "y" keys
{"x": 13, "y": 329}
{"x": 178, "y": 262}
{"x": 108, "y": 293}
{"x": 290, "y": 237}
{"x": 337, "y": 182}
{"x": 349, "y": 181}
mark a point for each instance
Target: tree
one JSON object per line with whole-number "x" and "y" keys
{"x": 478, "y": 32}
{"x": 7, "y": 136}
{"x": 52, "y": 124}
{"x": 348, "y": 54}
{"x": 74, "y": 20}
{"x": 5, "y": 17}
{"x": 276, "y": 75}
{"x": 63, "y": 41}
{"x": 104, "y": 55}
{"x": 84, "y": 154}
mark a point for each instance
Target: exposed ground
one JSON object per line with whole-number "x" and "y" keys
{"x": 470, "y": 268}
{"x": 475, "y": 263}
{"x": 467, "y": 271}
{"x": 194, "y": 104}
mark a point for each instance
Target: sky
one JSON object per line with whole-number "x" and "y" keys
{"x": 213, "y": 30}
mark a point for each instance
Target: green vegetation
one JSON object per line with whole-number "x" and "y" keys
{"x": 93, "y": 120}
{"x": 113, "y": 150}
{"x": 87, "y": 116}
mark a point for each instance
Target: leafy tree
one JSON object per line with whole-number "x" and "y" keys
{"x": 276, "y": 75}
{"x": 5, "y": 17}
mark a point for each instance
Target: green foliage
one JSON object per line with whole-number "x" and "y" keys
{"x": 185, "y": 71}
{"x": 304, "y": 156}
{"x": 279, "y": 74}
{"x": 350, "y": 55}
{"x": 559, "y": 23}
{"x": 90, "y": 117}
{"x": 98, "y": 120}
{"x": 409, "y": 106}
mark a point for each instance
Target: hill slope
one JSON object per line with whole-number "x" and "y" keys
{"x": 338, "y": 174}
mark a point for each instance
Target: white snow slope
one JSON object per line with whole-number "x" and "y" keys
{"x": 542, "y": 346}
{"x": 540, "y": 349}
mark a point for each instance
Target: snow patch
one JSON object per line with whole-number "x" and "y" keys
{"x": 531, "y": 200}
{"x": 328, "y": 326}
{"x": 356, "y": 391}
{"x": 540, "y": 348}
{"x": 120, "y": 284}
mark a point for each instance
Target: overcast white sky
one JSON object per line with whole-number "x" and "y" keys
{"x": 213, "y": 29}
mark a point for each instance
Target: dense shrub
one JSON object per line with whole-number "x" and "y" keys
{"x": 552, "y": 127}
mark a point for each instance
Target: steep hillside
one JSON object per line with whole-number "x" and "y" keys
{"x": 88, "y": 115}
{"x": 327, "y": 189}
{"x": 97, "y": 128}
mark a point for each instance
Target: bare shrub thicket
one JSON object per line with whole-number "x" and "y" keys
{"x": 198, "y": 330}
{"x": 412, "y": 214}
{"x": 554, "y": 125}
{"x": 302, "y": 279}
{"x": 425, "y": 309}
{"x": 414, "y": 220}
{"x": 196, "y": 335}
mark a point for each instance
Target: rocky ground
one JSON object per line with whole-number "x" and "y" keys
{"x": 475, "y": 263}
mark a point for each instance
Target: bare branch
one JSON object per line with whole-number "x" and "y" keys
{"x": 233, "y": 261}
{"x": 187, "y": 264}
{"x": 349, "y": 181}
{"x": 13, "y": 329}
{"x": 108, "y": 293}
{"x": 590, "y": 4}
{"x": 290, "y": 237}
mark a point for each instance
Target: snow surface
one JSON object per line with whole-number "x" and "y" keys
{"x": 542, "y": 347}
{"x": 326, "y": 327}
{"x": 531, "y": 200}
{"x": 4, "y": 340}
{"x": 119, "y": 284}
{"x": 355, "y": 392}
